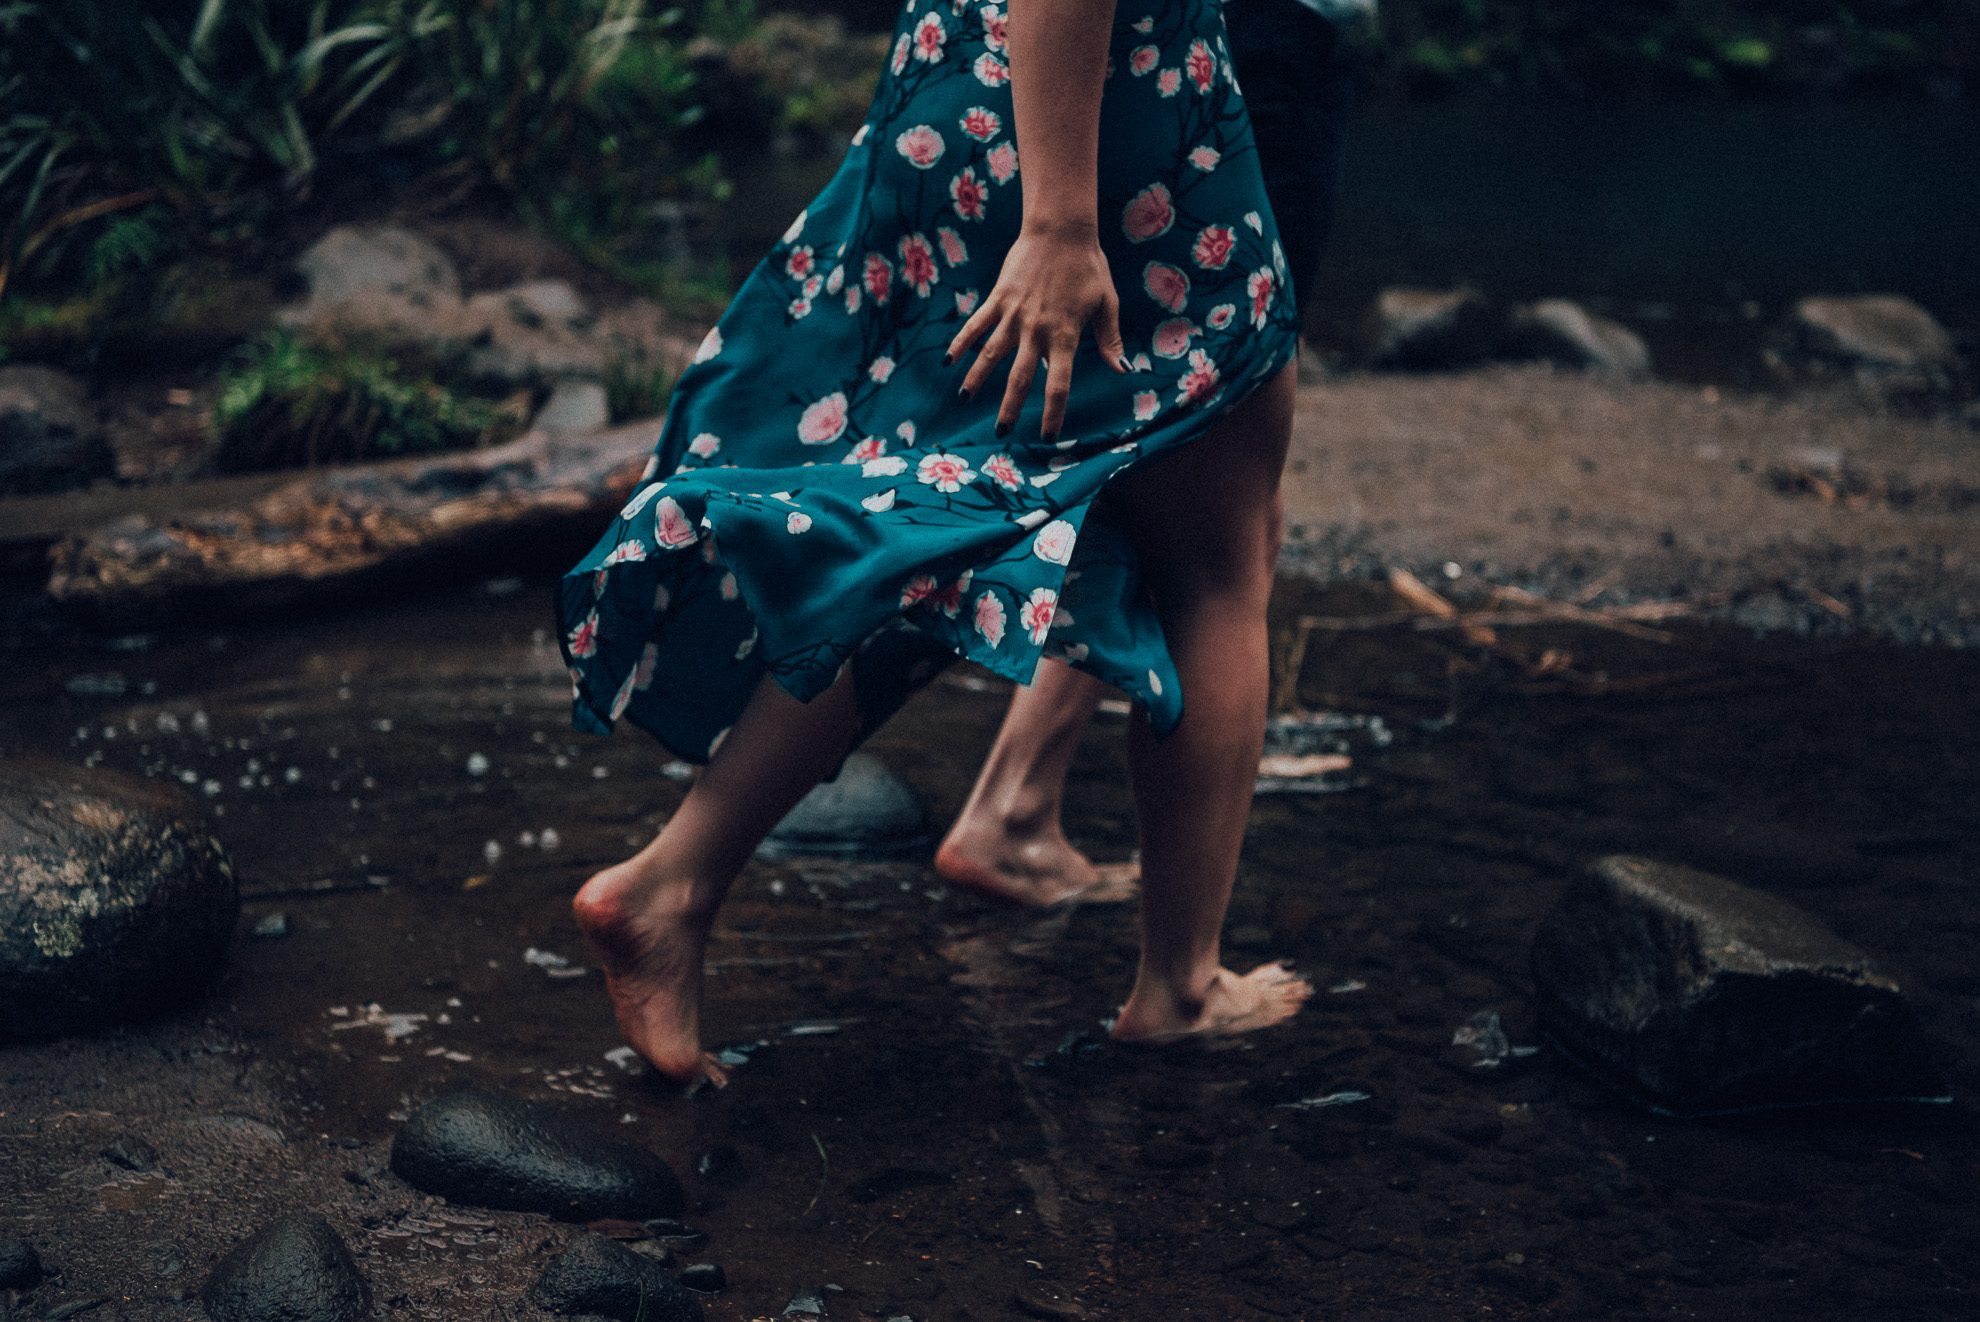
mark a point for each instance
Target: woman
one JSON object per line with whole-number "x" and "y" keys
{"x": 843, "y": 510}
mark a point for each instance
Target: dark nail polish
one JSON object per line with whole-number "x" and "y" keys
{"x": 1003, "y": 430}
{"x": 1126, "y": 366}
{"x": 947, "y": 359}
{"x": 962, "y": 392}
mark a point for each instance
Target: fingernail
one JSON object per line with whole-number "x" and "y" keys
{"x": 962, "y": 392}
{"x": 1003, "y": 430}
{"x": 1125, "y": 365}
{"x": 947, "y": 359}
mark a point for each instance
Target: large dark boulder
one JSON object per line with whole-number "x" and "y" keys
{"x": 295, "y": 1270}
{"x": 495, "y": 1151}
{"x": 594, "y": 1275}
{"x": 49, "y": 436}
{"x": 864, "y": 812}
{"x": 116, "y": 902}
{"x": 1699, "y": 995}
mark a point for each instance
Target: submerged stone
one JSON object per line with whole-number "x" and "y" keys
{"x": 705, "y": 1277}
{"x": 295, "y": 1270}
{"x": 597, "y": 1276}
{"x": 116, "y": 902}
{"x": 1701, "y": 995}
{"x": 867, "y": 812}
{"x": 20, "y": 1265}
{"x": 495, "y": 1151}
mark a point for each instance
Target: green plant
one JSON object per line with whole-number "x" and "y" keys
{"x": 636, "y": 387}
{"x": 286, "y": 402}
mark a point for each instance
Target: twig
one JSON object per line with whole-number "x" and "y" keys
{"x": 824, "y": 1174}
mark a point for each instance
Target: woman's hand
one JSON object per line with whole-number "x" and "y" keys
{"x": 1054, "y": 282}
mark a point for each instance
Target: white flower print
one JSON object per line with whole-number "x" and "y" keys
{"x": 797, "y": 226}
{"x": 1172, "y": 337}
{"x": 799, "y": 309}
{"x": 994, "y": 27}
{"x": 625, "y": 551}
{"x": 922, "y": 146}
{"x": 671, "y": 526}
{"x": 1169, "y": 82}
{"x": 1260, "y": 286}
{"x": 1155, "y": 683}
{"x": 991, "y": 71}
{"x": 1000, "y": 469}
{"x": 981, "y": 123}
{"x": 1205, "y": 158}
{"x": 1054, "y": 542}
{"x": 704, "y": 445}
{"x": 870, "y": 448}
{"x": 623, "y": 696}
{"x": 711, "y": 344}
{"x": 919, "y": 588}
{"x": 1002, "y": 162}
{"x": 906, "y": 432}
{"x": 798, "y": 264}
{"x": 928, "y": 38}
{"x": 1146, "y": 402}
{"x": 859, "y": 138}
{"x": 584, "y": 639}
{"x": 835, "y": 281}
{"x": 990, "y": 618}
{"x": 1166, "y": 285}
{"x": 892, "y": 465}
{"x": 1199, "y": 381}
{"x": 1035, "y": 616}
{"x": 966, "y": 302}
{"x": 825, "y": 421}
{"x": 967, "y": 194}
{"x": 798, "y": 522}
{"x": 900, "y": 58}
{"x": 947, "y": 473}
{"x": 1142, "y": 58}
{"x": 880, "y": 369}
{"x": 642, "y": 500}
{"x": 1220, "y": 316}
{"x": 1143, "y": 25}
{"x": 954, "y": 251}
{"x": 880, "y": 502}
{"x": 1148, "y": 215}
{"x": 918, "y": 264}
{"x": 1257, "y": 222}
{"x": 1044, "y": 479}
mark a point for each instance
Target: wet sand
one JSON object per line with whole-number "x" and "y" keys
{"x": 925, "y": 1118}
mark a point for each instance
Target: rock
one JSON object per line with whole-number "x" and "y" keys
{"x": 538, "y": 301}
{"x": 116, "y": 902}
{"x": 50, "y": 439}
{"x": 1429, "y": 328}
{"x": 1569, "y": 334}
{"x": 273, "y": 925}
{"x": 866, "y": 812}
{"x": 130, "y": 1152}
{"x": 295, "y": 1270}
{"x": 20, "y": 1265}
{"x": 705, "y": 1277}
{"x": 574, "y": 406}
{"x": 806, "y": 1303}
{"x": 345, "y": 533}
{"x": 665, "y": 1227}
{"x": 595, "y": 1275}
{"x": 1049, "y": 1299}
{"x": 1700, "y": 995}
{"x": 1873, "y": 330}
{"x": 352, "y": 260}
{"x": 495, "y": 1151}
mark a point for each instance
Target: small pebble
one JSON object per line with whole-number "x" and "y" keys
{"x": 705, "y": 1277}
{"x": 275, "y": 924}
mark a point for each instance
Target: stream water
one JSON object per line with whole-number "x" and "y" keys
{"x": 926, "y": 1118}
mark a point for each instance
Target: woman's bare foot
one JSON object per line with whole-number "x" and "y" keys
{"x": 1035, "y": 869}
{"x": 651, "y": 941}
{"x": 1269, "y": 994}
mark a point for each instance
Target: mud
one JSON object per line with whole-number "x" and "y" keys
{"x": 925, "y": 1118}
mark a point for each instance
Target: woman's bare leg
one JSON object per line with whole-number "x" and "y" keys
{"x": 1008, "y": 840}
{"x": 650, "y": 916}
{"x": 1205, "y": 522}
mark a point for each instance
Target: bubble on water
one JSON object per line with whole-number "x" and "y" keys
{"x": 82, "y": 732}
{"x": 560, "y": 761}
{"x": 677, "y": 770}
{"x": 168, "y": 723}
{"x": 477, "y": 765}
{"x": 600, "y": 772}
{"x": 1452, "y": 569}
{"x": 266, "y": 780}
{"x": 254, "y": 764}
{"x": 527, "y": 839}
{"x": 626, "y": 1059}
{"x": 491, "y": 851}
{"x": 454, "y": 1002}
{"x": 549, "y": 839}
{"x": 544, "y": 959}
{"x": 200, "y": 724}
{"x": 109, "y": 732}
{"x": 246, "y": 782}
{"x": 292, "y": 775}
{"x": 210, "y": 788}
{"x": 189, "y": 776}
{"x": 383, "y": 725}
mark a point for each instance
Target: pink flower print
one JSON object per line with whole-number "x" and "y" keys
{"x": 1169, "y": 82}
{"x": 640, "y": 501}
{"x": 906, "y": 432}
{"x": 887, "y": 466}
{"x": 991, "y": 71}
{"x": 871, "y": 448}
{"x": 798, "y": 522}
{"x": 966, "y": 302}
{"x": 995, "y": 34}
{"x": 949, "y": 600}
{"x": 918, "y": 589}
{"x": 704, "y": 445}
{"x": 825, "y": 421}
{"x": 1166, "y": 285}
{"x": 1220, "y": 316}
{"x": 1143, "y": 25}
{"x": 799, "y": 309}
{"x": 880, "y": 369}
{"x": 1260, "y": 285}
{"x": 901, "y": 48}
{"x": 797, "y": 226}
{"x": 954, "y": 251}
{"x": 947, "y": 473}
{"x": 623, "y": 696}
{"x": 1199, "y": 381}
{"x": 1213, "y": 247}
{"x": 1257, "y": 222}
{"x": 967, "y": 194}
{"x": 928, "y": 38}
{"x": 859, "y": 135}
{"x": 812, "y": 284}
{"x": 918, "y": 263}
{"x": 1002, "y": 161}
{"x": 1149, "y": 215}
{"x": 1141, "y": 59}
{"x": 1140, "y": 363}
{"x": 1054, "y": 542}
{"x": 670, "y": 524}
{"x": 584, "y": 638}
{"x": 1205, "y": 158}
{"x": 1036, "y": 615}
{"x": 1201, "y": 64}
{"x": 999, "y": 468}
{"x": 643, "y": 676}
{"x": 1172, "y": 337}
{"x": 922, "y": 146}
{"x": 852, "y": 298}
{"x": 798, "y": 264}
{"x": 835, "y": 281}
{"x": 981, "y": 123}
{"x": 880, "y": 502}
{"x": 711, "y": 344}
{"x": 990, "y": 618}
{"x": 624, "y": 551}
{"x": 729, "y": 588}
{"x": 879, "y": 275}
{"x": 1145, "y": 404}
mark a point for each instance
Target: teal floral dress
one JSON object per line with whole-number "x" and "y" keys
{"x": 822, "y": 498}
